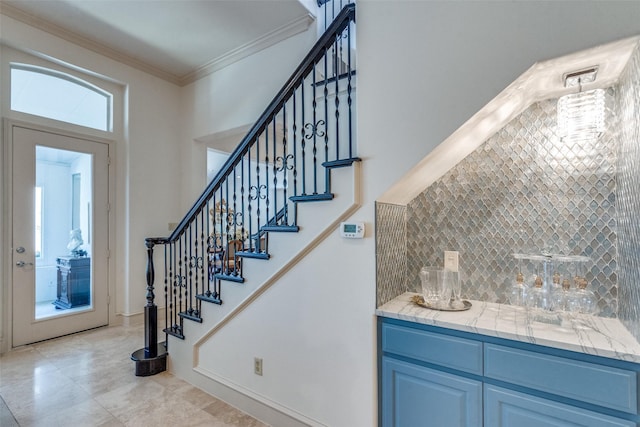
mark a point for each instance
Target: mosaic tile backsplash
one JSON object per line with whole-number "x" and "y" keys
{"x": 391, "y": 251}
{"x": 628, "y": 201}
{"x": 524, "y": 191}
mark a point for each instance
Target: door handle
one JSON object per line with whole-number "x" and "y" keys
{"x": 23, "y": 264}
{"x": 20, "y": 250}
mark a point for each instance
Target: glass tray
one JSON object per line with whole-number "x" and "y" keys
{"x": 419, "y": 300}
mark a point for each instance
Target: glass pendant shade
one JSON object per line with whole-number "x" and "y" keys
{"x": 581, "y": 115}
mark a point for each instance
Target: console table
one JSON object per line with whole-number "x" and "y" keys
{"x": 74, "y": 282}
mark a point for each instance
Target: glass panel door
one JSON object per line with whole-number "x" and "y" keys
{"x": 60, "y": 193}
{"x": 62, "y": 212}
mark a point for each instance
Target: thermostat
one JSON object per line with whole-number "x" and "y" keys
{"x": 352, "y": 230}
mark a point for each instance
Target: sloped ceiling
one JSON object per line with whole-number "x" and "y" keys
{"x": 178, "y": 40}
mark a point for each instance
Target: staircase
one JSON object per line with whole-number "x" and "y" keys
{"x": 284, "y": 164}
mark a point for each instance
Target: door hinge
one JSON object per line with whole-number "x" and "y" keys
{"x": 108, "y": 160}
{"x": 108, "y": 254}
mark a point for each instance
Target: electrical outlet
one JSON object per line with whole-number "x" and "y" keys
{"x": 257, "y": 366}
{"x": 451, "y": 260}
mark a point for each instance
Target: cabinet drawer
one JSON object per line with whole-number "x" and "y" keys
{"x": 452, "y": 352}
{"x": 588, "y": 382}
{"x": 508, "y": 408}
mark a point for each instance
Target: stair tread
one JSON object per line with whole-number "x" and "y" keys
{"x": 254, "y": 255}
{"x": 229, "y": 277}
{"x": 211, "y": 298}
{"x": 194, "y": 317}
{"x": 312, "y": 197}
{"x": 341, "y": 163}
{"x": 172, "y": 333}
{"x": 281, "y": 228}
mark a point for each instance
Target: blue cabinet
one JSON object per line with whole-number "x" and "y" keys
{"x": 508, "y": 408}
{"x": 417, "y": 396}
{"x": 431, "y": 376}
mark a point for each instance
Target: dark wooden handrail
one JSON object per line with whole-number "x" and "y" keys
{"x": 341, "y": 21}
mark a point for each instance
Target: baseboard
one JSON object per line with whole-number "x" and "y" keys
{"x": 259, "y": 407}
{"x": 137, "y": 319}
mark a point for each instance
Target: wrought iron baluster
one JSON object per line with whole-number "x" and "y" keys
{"x": 234, "y": 212}
{"x": 253, "y": 247}
{"x": 337, "y": 98}
{"x": 210, "y": 264}
{"x": 185, "y": 278}
{"x": 176, "y": 289}
{"x": 294, "y": 129}
{"x": 170, "y": 305}
{"x": 286, "y": 165}
{"x": 303, "y": 141}
{"x": 227, "y": 223}
{"x": 166, "y": 295}
{"x": 242, "y": 211}
{"x": 180, "y": 278}
{"x": 257, "y": 188}
{"x": 275, "y": 173}
{"x": 236, "y": 217}
{"x": 349, "y": 87}
{"x": 189, "y": 264}
{"x": 326, "y": 23}
{"x": 326, "y": 117}
{"x": 314, "y": 126}
{"x": 266, "y": 174}
{"x": 203, "y": 263}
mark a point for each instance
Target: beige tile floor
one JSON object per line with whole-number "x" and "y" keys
{"x": 88, "y": 379}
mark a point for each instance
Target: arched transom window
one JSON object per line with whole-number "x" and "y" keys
{"x": 48, "y": 93}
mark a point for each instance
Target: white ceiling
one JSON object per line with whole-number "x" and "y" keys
{"x": 178, "y": 40}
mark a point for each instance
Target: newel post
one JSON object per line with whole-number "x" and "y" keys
{"x": 149, "y": 360}
{"x": 150, "y": 310}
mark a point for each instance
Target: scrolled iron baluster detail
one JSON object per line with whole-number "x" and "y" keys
{"x": 180, "y": 281}
{"x": 235, "y": 219}
{"x": 196, "y": 262}
{"x": 283, "y": 162}
{"x": 255, "y": 192}
{"x": 314, "y": 129}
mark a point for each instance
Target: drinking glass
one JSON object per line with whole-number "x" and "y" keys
{"x": 430, "y": 278}
{"x": 451, "y": 288}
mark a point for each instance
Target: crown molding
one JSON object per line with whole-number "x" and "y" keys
{"x": 288, "y": 30}
{"x": 99, "y": 48}
{"x": 295, "y": 27}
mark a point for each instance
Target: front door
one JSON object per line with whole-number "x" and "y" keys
{"x": 59, "y": 236}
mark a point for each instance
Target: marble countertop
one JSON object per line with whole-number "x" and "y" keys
{"x": 585, "y": 334}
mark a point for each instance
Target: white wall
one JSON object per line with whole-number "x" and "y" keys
{"x": 145, "y": 153}
{"x": 234, "y": 97}
{"x": 424, "y": 68}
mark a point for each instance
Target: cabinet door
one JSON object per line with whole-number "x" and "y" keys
{"x": 415, "y": 396}
{"x": 508, "y": 408}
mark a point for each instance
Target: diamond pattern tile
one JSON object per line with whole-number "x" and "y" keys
{"x": 627, "y": 265}
{"x": 522, "y": 191}
{"x": 391, "y": 248}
